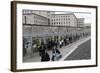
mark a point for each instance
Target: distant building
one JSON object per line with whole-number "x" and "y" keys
{"x": 38, "y": 17}
{"x": 80, "y": 22}
{"x": 32, "y": 18}
{"x": 48, "y": 18}
{"x": 53, "y": 18}
{"x": 64, "y": 19}
{"x": 39, "y": 12}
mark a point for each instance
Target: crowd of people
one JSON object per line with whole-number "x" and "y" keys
{"x": 53, "y": 44}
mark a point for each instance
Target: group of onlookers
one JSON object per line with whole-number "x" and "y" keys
{"x": 52, "y": 44}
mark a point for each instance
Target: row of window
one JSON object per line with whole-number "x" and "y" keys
{"x": 58, "y": 19}
{"x": 60, "y": 16}
{"x": 40, "y": 22}
{"x": 60, "y": 23}
{"x": 35, "y": 20}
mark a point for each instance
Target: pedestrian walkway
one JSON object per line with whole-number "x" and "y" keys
{"x": 83, "y": 52}
{"x": 65, "y": 51}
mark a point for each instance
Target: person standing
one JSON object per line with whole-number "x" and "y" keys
{"x": 41, "y": 49}
{"x": 45, "y": 57}
{"x": 29, "y": 49}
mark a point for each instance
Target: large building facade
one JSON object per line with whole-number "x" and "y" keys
{"x": 32, "y": 18}
{"x": 64, "y": 19}
{"x": 68, "y": 23}
{"x": 80, "y": 22}
{"x": 49, "y": 18}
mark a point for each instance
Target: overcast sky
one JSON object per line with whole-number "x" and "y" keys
{"x": 87, "y": 16}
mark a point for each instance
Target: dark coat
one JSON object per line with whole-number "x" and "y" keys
{"x": 41, "y": 49}
{"x": 45, "y": 57}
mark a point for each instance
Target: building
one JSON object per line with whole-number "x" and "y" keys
{"x": 32, "y": 18}
{"x": 68, "y": 19}
{"x": 80, "y": 22}
{"x": 39, "y": 12}
{"x": 49, "y": 18}
{"x": 38, "y": 17}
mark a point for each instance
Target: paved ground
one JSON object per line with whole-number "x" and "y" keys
{"x": 82, "y": 52}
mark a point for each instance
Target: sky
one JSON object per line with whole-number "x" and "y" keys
{"x": 87, "y": 16}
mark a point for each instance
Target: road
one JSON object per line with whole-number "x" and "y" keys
{"x": 82, "y": 52}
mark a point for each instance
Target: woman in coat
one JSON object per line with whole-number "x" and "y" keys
{"x": 45, "y": 57}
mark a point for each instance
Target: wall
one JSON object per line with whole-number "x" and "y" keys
{"x": 5, "y": 37}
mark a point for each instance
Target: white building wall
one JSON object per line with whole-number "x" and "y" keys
{"x": 73, "y": 20}
{"x": 63, "y": 20}
{"x": 28, "y": 19}
{"x": 39, "y": 12}
{"x": 34, "y": 19}
{"x": 80, "y": 22}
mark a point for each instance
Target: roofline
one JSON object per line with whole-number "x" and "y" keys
{"x": 64, "y": 14}
{"x": 35, "y": 14}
